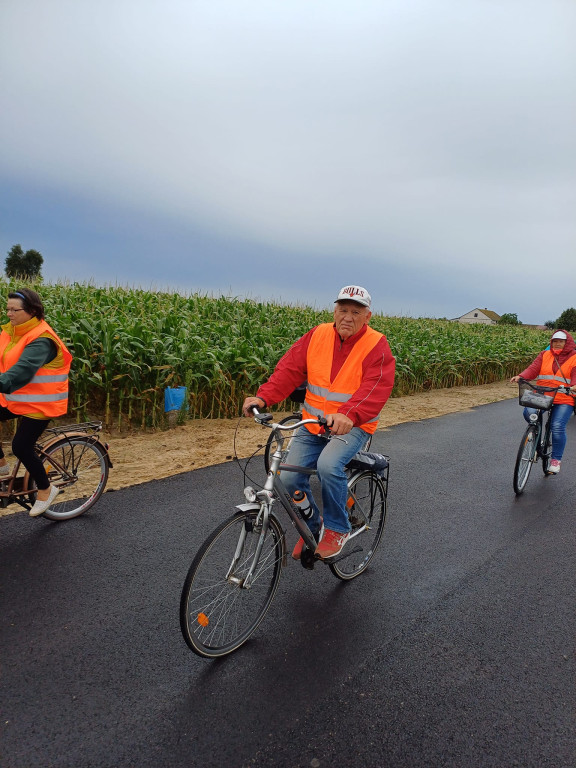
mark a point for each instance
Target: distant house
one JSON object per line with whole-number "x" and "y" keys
{"x": 485, "y": 316}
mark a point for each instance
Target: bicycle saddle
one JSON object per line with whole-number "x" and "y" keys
{"x": 376, "y": 462}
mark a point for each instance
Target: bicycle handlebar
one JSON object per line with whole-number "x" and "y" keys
{"x": 265, "y": 418}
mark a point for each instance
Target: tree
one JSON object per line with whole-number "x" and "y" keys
{"x": 567, "y": 320}
{"x": 27, "y": 265}
{"x": 509, "y": 318}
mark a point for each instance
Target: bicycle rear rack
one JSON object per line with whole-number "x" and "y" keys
{"x": 86, "y": 426}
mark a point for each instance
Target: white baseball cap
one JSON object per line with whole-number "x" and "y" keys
{"x": 559, "y": 335}
{"x": 354, "y": 293}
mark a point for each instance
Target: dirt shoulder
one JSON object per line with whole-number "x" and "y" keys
{"x": 139, "y": 457}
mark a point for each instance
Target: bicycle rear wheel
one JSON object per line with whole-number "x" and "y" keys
{"x": 272, "y": 443}
{"x": 217, "y": 613}
{"x": 525, "y": 458}
{"x": 366, "y": 507}
{"x": 79, "y": 467}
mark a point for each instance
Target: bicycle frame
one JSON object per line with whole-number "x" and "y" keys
{"x": 544, "y": 428}
{"x": 275, "y": 490}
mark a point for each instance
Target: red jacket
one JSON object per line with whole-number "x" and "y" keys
{"x": 366, "y": 403}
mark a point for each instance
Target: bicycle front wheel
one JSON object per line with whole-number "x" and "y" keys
{"x": 79, "y": 467}
{"x": 366, "y": 507}
{"x": 218, "y": 612}
{"x": 525, "y": 458}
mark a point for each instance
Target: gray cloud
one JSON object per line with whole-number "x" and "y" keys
{"x": 443, "y": 132}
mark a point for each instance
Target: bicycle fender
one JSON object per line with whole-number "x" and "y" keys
{"x": 67, "y": 435}
{"x": 249, "y": 507}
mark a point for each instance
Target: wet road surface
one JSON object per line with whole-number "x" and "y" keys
{"x": 456, "y": 648}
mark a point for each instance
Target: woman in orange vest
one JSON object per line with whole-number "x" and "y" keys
{"x": 34, "y": 367}
{"x": 555, "y": 367}
{"x": 349, "y": 370}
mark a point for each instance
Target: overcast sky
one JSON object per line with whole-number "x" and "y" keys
{"x": 279, "y": 149}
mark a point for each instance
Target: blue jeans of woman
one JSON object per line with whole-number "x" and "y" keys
{"x": 560, "y": 415}
{"x": 329, "y": 457}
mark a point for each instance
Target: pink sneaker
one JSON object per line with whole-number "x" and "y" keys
{"x": 554, "y": 467}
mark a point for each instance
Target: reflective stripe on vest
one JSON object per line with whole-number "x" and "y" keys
{"x": 48, "y": 378}
{"x": 36, "y": 398}
{"x": 338, "y": 397}
{"x": 561, "y": 379}
{"x": 318, "y": 412}
{"x": 324, "y": 397}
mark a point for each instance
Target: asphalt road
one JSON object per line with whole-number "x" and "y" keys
{"x": 455, "y": 649}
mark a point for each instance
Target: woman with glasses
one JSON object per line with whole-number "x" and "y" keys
{"x": 34, "y": 367}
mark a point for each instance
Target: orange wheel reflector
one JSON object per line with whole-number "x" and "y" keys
{"x": 203, "y": 619}
{"x": 350, "y": 502}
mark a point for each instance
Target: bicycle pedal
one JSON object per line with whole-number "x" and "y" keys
{"x": 307, "y": 559}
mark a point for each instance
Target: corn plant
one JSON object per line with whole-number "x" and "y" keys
{"x": 130, "y": 344}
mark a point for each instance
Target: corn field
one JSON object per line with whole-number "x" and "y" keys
{"x": 130, "y": 344}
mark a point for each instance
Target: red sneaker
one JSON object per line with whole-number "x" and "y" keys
{"x": 331, "y": 544}
{"x": 297, "y": 551}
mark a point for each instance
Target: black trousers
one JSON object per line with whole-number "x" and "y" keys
{"x": 27, "y": 433}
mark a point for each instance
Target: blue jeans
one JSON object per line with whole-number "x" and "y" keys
{"x": 329, "y": 457}
{"x": 560, "y": 415}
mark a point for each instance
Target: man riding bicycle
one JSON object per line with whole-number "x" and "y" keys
{"x": 349, "y": 370}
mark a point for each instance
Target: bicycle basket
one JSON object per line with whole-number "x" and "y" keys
{"x": 530, "y": 398}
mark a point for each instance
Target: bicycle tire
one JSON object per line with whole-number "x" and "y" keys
{"x": 216, "y": 613}
{"x": 546, "y": 450}
{"x": 86, "y": 465}
{"x": 271, "y": 442}
{"x": 525, "y": 458}
{"x": 366, "y": 506}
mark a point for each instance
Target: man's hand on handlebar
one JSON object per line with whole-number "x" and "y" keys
{"x": 339, "y": 424}
{"x": 515, "y": 379}
{"x": 249, "y": 402}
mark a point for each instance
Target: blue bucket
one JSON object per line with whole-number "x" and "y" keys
{"x": 175, "y": 398}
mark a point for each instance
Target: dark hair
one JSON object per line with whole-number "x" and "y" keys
{"x": 31, "y": 302}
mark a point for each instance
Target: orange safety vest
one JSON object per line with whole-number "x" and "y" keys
{"x": 47, "y": 392}
{"x": 324, "y": 396}
{"x": 550, "y": 378}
